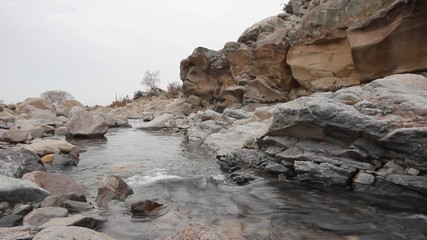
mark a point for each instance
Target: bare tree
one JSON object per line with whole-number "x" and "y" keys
{"x": 174, "y": 89}
{"x": 151, "y": 79}
{"x": 56, "y": 96}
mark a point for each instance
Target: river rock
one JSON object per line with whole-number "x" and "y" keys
{"x": 112, "y": 187}
{"x": 144, "y": 207}
{"x": 17, "y": 162}
{"x": 16, "y": 136}
{"x": 48, "y": 159}
{"x": 60, "y": 131}
{"x": 78, "y": 220}
{"x": 70, "y": 232}
{"x": 82, "y": 124}
{"x": 64, "y": 160}
{"x": 47, "y": 146}
{"x": 55, "y": 183}
{"x": 64, "y": 107}
{"x": 201, "y": 231}
{"x": 41, "y": 215}
{"x": 76, "y": 206}
{"x": 19, "y": 191}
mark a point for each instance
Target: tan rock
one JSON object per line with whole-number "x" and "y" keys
{"x": 324, "y": 65}
{"x": 34, "y": 103}
{"x": 391, "y": 42}
{"x": 55, "y": 183}
{"x": 48, "y": 159}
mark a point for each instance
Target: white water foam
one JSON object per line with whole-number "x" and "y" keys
{"x": 156, "y": 175}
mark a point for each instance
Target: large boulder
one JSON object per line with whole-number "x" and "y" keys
{"x": 17, "y": 162}
{"x": 19, "y": 191}
{"x": 64, "y": 107}
{"x": 81, "y": 124}
{"x": 55, "y": 183}
{"x": 70, "y": 232}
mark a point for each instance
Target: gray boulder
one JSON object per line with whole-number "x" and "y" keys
{"x": 17, "y": 162}
{"x": 19, "y": 191}
{"x": 81, "y": 124}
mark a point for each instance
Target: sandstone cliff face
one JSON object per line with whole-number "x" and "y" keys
{"x": 314, "y": 46}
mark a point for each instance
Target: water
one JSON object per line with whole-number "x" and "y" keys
{"x": 165, "y": 168}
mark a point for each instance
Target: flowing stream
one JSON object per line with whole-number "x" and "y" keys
{"x": 165, "y": 168}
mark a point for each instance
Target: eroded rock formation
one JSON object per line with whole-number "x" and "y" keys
{"x": 314, "y": 46}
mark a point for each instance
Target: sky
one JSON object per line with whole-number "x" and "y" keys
{"x": 99, "y": 49}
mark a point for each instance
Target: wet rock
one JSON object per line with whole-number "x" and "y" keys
{"x": 200, "y": 231}
{"x": 323, "y": 173}
{"x": 11, "y": 220}
{"x": 412, "y": 171}
{"x": 242, "y": 178}
{"x": 70, "y": 232}
{"x": 277, "y": 168}
{"x": 112, "y": 187}
{"x": 59, "y": 200}
{"x": 55, "y": 183}
{"x": 41, "y": 215}
{"x": 19, "y": 191}
{"x": 48, "y": 159}
{"x": 17, "y": 162}
{"x": 64, "y": 160}
{"x": 145, "y": 207}
{"x": 82, "y": 124}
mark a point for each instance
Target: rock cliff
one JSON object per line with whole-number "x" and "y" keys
{"x": 314, "y": 46}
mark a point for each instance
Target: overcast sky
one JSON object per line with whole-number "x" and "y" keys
{"x": 97, "y": 49}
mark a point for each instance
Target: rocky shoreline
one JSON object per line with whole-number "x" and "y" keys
{"x": 293, "y": 98}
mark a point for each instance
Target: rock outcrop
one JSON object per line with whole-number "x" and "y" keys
{"x": 314, "y": 46}
{"x": 371, "y": 138}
